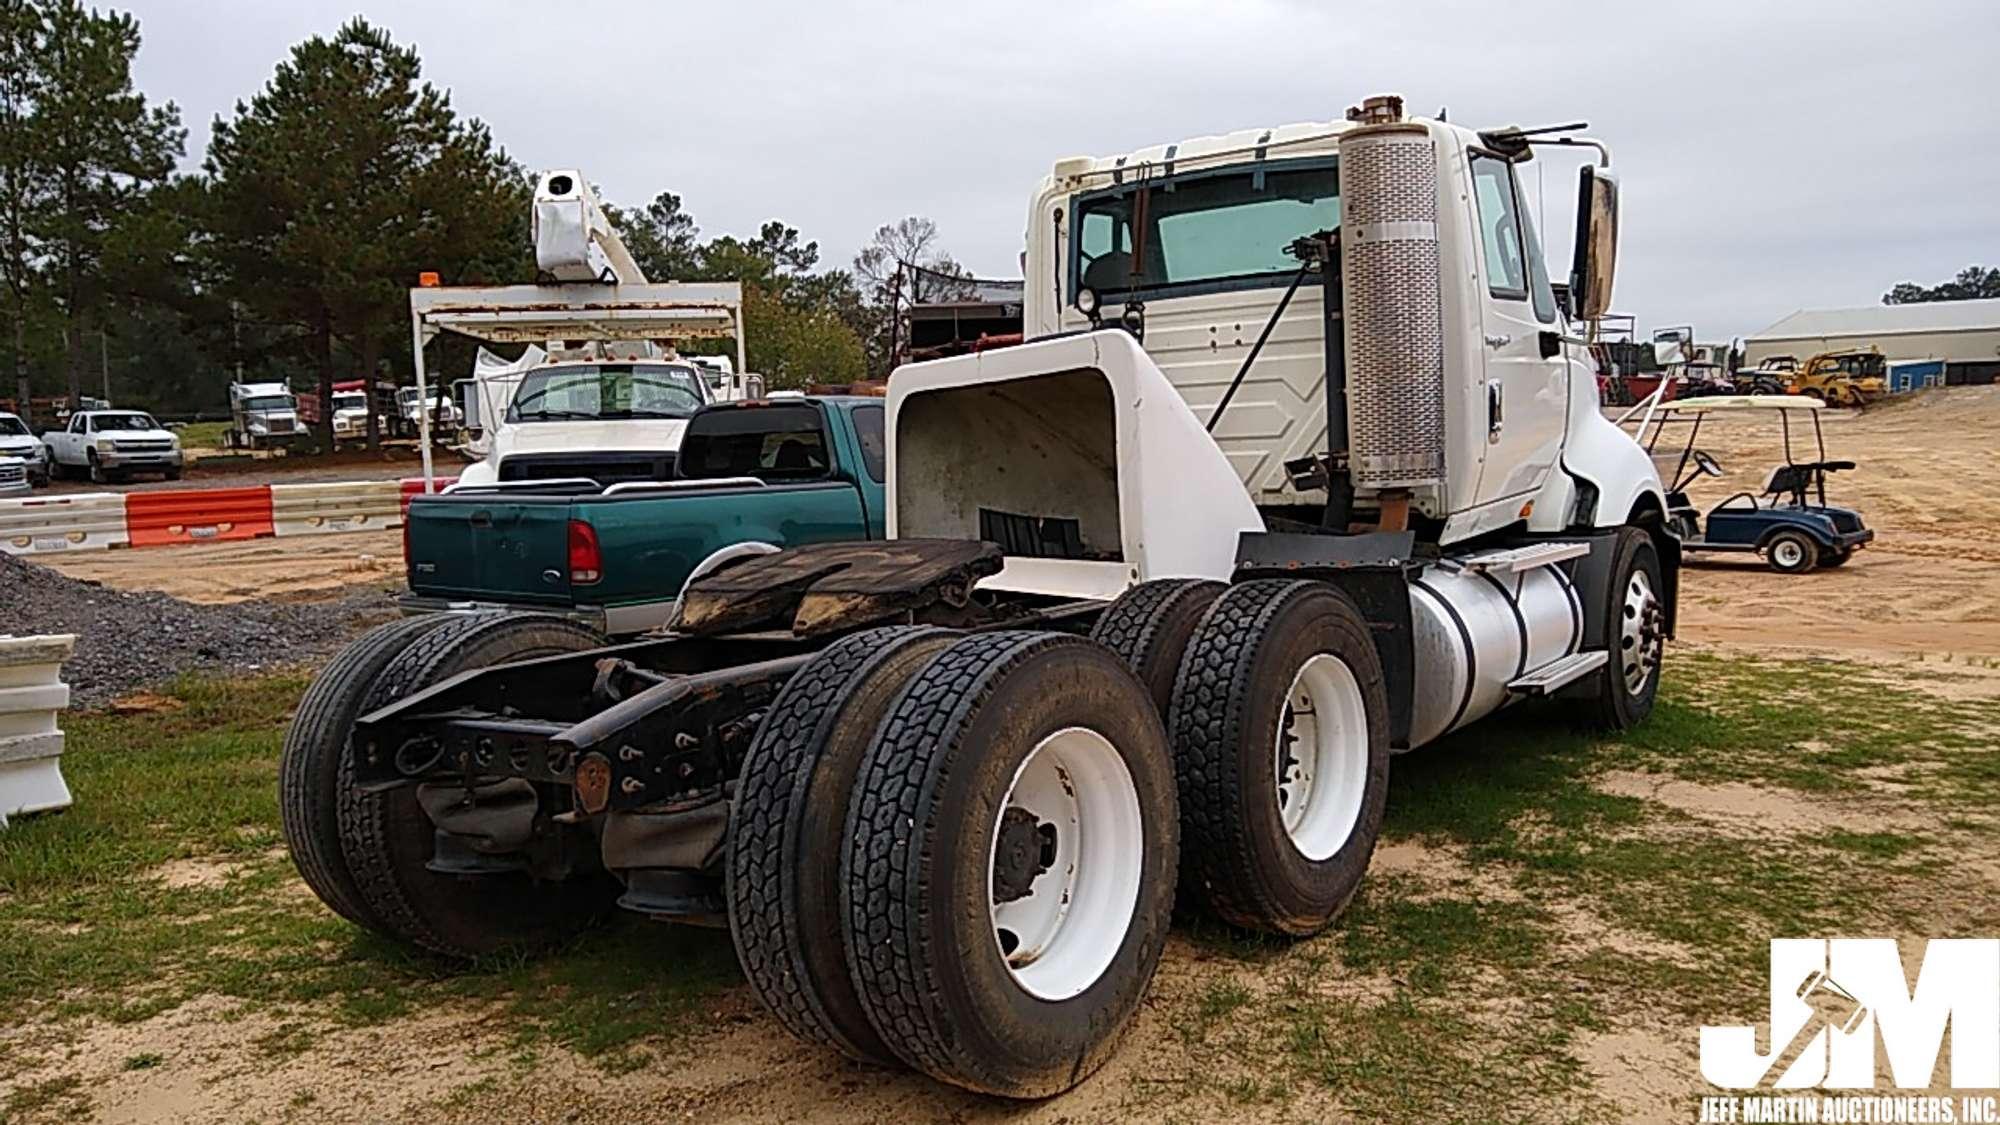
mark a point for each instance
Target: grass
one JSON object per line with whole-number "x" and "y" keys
{"x": 1461, "y": 989}
{"x": 91, "y": 927}
{"x": 1556, "y": 909}
{"x": 203, "y": 435}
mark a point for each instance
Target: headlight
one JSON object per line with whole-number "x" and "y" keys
{"x": 105, "y": 445}
{"x": 1086, "y": 301}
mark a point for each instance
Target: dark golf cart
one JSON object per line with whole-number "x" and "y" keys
{"x": 1789, "y": 521}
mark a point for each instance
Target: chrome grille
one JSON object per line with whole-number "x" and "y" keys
{"x": 1394, "y": 308}
{"x": 13, "y": 473}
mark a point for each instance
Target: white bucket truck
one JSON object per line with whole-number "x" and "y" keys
{"x": 599, "y": 393}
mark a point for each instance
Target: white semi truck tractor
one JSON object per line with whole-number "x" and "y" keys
{"x": 1304, "y": 469}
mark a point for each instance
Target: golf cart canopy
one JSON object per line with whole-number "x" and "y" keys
{"x": 1739, "y": 403}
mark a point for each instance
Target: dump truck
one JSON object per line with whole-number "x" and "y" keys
{"x": 1302, "y": 467}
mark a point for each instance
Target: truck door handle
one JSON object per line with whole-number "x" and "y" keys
{"x": 1499, "y": 341}
{"x": 1495, "y": 408}
{"x": 482, "y": 519}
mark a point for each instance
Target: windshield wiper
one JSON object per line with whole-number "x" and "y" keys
{"x": 547, "y": 415}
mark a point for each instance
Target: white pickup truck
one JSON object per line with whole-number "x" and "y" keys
{"x": 19, "y": 442}
{"x": 110, "y": 445}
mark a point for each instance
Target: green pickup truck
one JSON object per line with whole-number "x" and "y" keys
{"x": 750, "y": 477}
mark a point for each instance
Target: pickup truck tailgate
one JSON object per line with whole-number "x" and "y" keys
{"x": 493, "y": 548}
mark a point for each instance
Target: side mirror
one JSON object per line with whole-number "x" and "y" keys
{"x": 468, "y": 407}
{"x": 1596, "y": 255}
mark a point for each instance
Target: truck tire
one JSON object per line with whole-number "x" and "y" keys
{"x": 1149, "y": 626}
{"x": 386, "y": 838}
{"x": 1280, "y": 804}
{"x": 1029, "y": 767}
{"x": 791, "y": 806}
{"x": 1634, "y": 618}
{"x": 1791, "y": 552}
{"x": 313, "y": 764}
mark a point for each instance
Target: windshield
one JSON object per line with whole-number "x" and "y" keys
{"x": 353, "y": 400}
{"x": 1204, "y": 230}
{"x": 13, "y": 427}
{"x": 268, "y": 402}
{"x": 132, "y": 421}
{"x": 607, "y": 391}
{"x": 1864, "y": 365}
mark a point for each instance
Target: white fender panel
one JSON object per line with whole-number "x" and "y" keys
{"x": 1084, "y": 428}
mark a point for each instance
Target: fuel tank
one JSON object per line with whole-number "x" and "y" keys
{"x": 1475, "y": 630}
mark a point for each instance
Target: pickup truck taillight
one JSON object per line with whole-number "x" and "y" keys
{"x": 586, "y": 563}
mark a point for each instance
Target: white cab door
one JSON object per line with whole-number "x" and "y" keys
{"x": 1526, "y": 394}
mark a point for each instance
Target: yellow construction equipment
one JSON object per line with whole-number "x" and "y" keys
{"x": 1844, "y": 378}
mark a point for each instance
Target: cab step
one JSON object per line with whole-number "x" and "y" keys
{"x": 1559, "y": 673}
{"x": 1514, "y": 560}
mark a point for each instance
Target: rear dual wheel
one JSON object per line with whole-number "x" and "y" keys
{"x": 1280, "y": 732}
{"x": 1005, "y": 875}
{"x": 1010, "y": 863}
{"x": 365, "y": 854}
{"x": 791, "y": 807}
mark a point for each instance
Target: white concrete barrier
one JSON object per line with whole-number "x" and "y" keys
{"x": 321, "y": 509}
{"x": 31, "y": 744}
{"x": 88, "y": 521}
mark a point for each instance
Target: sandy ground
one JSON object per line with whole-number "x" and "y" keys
{"x": 1929, "y": 587}
{"x": 1927, "y": 481}
{"x": 299, "y": 567}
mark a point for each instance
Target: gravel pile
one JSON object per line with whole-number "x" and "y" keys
{"x": 128, "y": 640}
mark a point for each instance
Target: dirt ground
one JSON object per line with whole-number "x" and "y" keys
{"x": 1927, "y": 481}
{"x": 298, "y": 567}
{"x": 1922, "y": 604}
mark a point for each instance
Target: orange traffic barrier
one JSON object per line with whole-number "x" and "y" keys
{"x": 195, "y": 515}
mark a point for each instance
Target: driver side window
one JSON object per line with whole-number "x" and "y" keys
{"x": 1499, "y": 228}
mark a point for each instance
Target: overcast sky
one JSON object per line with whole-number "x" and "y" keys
{"x": 1774, "y": 155}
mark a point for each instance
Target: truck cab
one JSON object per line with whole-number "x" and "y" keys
{"x": 17, "y": 441}
{"x": 111, "y": 445}
{"x": 262, "y": 415}
{"x": 1190, "y": 241}
{"x": 605, "y": 420}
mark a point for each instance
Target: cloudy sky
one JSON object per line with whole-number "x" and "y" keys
{"x": 1774, "y": 155}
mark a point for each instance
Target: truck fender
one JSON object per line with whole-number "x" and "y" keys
{"x": 721, "y": 558}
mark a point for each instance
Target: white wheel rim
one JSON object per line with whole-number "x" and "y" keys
{"x": 1082, "y": 886}
{"x": 1639, "y": 637}
{"x": 1322, "y": 756}
{"x": 1787, "y": 552}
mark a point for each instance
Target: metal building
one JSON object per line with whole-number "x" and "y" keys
{"x": 1965, "y": 334}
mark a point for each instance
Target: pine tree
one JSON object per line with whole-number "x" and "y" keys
{"x": 98, "y": 148}
{"x": 339, "y": 182}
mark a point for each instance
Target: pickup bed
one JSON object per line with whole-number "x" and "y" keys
{"x": 751, "y": 477}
